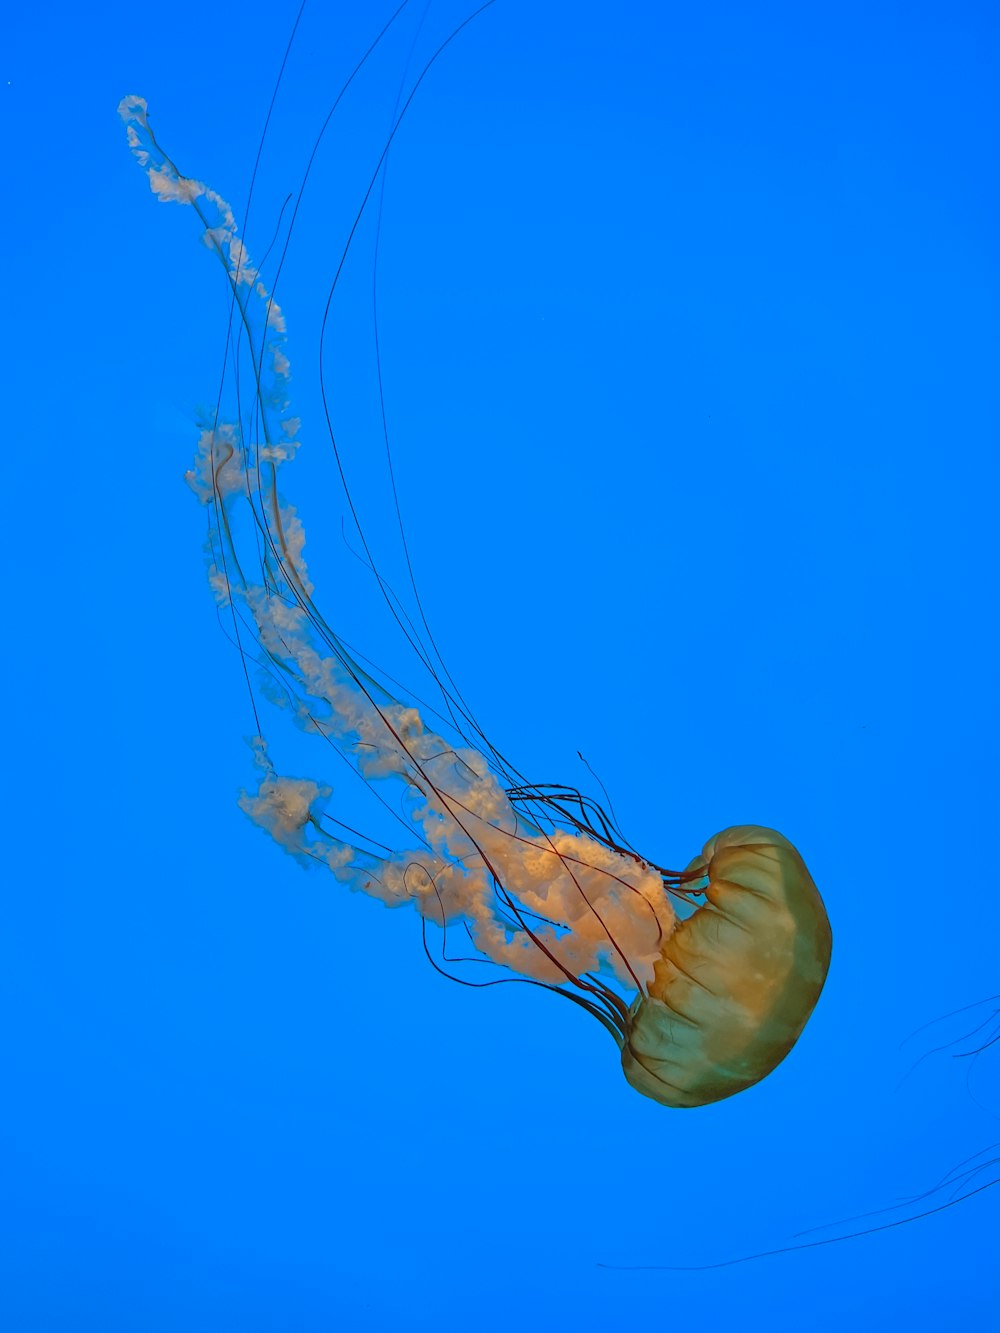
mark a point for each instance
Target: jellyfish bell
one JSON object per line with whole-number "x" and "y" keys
{"x": 736, "y": 982}
{"x": 725, "y": 960}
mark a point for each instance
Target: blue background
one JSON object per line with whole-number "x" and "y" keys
{"x": 688, "y": 318}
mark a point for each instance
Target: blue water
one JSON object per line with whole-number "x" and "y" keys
{"x": 688, "y": 337}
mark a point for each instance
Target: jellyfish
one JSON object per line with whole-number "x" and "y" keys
{"x": 704, "y": 977}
